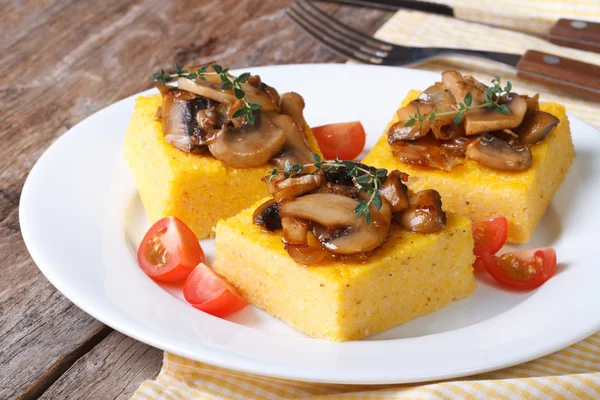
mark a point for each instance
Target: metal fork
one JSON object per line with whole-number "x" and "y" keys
{"x": 573, "y": 76}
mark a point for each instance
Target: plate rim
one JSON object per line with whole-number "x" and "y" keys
{"x": 214, "y": 356}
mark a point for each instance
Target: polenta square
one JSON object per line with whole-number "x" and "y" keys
{"x": 196, "y": 188}
{"x": 481, "y": 193}
{"x": 411, "y": 274}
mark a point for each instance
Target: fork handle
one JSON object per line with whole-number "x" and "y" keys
{"x": 560, "y": 72}
{"x": 582, "y": 35}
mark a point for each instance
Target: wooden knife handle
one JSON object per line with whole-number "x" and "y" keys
{"x": 582, "y": 35}
{"x": 561, "y": 73}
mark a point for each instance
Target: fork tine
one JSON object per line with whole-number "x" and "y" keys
{"x": 324, "y": 22}
{"x": 309, "y": 28}
{"x": 342, "y": 28}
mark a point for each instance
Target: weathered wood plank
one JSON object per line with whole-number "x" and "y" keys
{"x": 112, "y": 370}
{"x": 63, "y": 61}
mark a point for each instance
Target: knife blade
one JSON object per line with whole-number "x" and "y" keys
{"x": 583, "y": 35}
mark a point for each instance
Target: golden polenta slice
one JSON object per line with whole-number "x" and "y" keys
{"x": 410, "y": 275}
{"x": 481, "y": 193}
{"x": 198, "y": 189}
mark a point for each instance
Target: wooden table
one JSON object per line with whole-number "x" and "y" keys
{"x": 61, "y": 62}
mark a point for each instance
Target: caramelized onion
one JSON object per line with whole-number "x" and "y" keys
{"x": 294, "y": 230}
{"x": 295, "y": 186}
{"x": 425, "y": 152}
{"x": 398, "y": 130}
{"x": 424, "y": 214}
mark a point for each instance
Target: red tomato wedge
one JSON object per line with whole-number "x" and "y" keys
{"x": 344, "y": 140}
{"x": 489, "y": 236}
{"x": 207, "y": 291}
{"x": 169, "y": 251}
{"x": 526, "y": 269}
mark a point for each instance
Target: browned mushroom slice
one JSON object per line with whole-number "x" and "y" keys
{"x": 337, "y": 212}
{"x": 259, "y": 92}
{"x": 295, "y": 149}
{"x": 399, "y": 130}
{"x": 342, "y": 190}
{"x": 295, "y": 230}
{"x": 395, "y": 191}
{"x": 249, "y": 145}
{"x": 179, "y": 119}
{"x": 460, "y": 85}
{"x": 210, "y": 90}
{"x": 536, "y": 126}
{"x": 533, "y": 103}
{"x": 267, "y": 216}
{"x": 292, "y": 104}
{"x": 499, "y": 154}
{"x": 424, "y": 214}
{"x": 441, "y": 99}
{"x": 488, "y": 120}
{"x": 296, "y": 186}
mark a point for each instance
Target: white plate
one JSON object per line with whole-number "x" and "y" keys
{"x": 82, "y": 220}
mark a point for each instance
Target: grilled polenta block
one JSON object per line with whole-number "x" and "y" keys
{"x": 198, "y": 189}
{"x": 409, "y": 275}
{"x": 481, "y": 193}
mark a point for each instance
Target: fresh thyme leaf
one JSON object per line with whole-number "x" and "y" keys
{"x": 458, "y": 118}
{"x": 377, "y": 202}
{"x": 227, "y": 86}
{"x": 468, "y": 100}
{"x": 239, "y": 93}
{"x": 410, "y": 122}
{"x": 255, "y": 106}
{"x": 503, "y": 109}
{"x": 239, "y": 112}
{"x": 508, "y": 87}
{"x": 217, "y": 68}
{"x": 381, "y": 172}
{"x": 316, "y": 157}
{"x": 243, "y": 78}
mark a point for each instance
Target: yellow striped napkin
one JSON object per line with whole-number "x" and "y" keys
{"x": 572, "y": 373}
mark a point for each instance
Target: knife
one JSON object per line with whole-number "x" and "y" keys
{"x": 578, "y": 34}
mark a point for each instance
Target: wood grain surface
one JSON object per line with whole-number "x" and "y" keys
{"x": 62, "y": 61}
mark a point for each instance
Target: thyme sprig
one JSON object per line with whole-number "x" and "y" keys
{"x": 227, "y": 83}
{"x": 364, "y": 179}
{"x": 492, "y": 99}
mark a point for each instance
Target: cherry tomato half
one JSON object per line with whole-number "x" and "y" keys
{"x": 489, "y": 236}
{"x": 209, "y": 292}
{"x": 344, "y": 140}
{"x": 169, "y": 251}
{"x": 526, "y": 269}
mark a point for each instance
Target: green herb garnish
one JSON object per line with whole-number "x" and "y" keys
{"x": 365, "y": 180}
{"x": 492, "y": 97}
{"x": 227, "y": 83}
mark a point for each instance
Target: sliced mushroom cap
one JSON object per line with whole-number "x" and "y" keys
{"x": 488, "y": 120}
{"x": 395, "y": 191}
{"x": 179, "y": 112}
{"x": 456, "y": 147}
{"x": 295, "y": 149}
{"x": 259, "y": 92}
{"x": 493, "y": 152}
{"x": 249, "y": 145}
{"x": 292, "y": 104}
{"x": 460, "y": 85}
{"x": 337, "y": 212}
{"x": 267, "y": 216}
{"x": 536, "y": 126}
{"x": 342, "y": 190}
{"x": 533, "y": 102}
{"x": 438, "y": 97}
{"x": 208, "y": 89}
{"x": 424, "y": 214}
{"x": 398, "y": 130}
{"x": 294, "y": 186}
